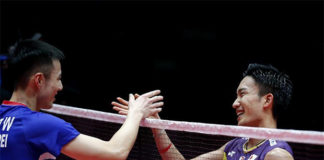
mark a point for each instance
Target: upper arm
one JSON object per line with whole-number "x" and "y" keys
{"x": 87, "y": 147}
{"x": 217, "y": 154}
{"x": 278, "y": 154}
{"x": 53, "y": 135}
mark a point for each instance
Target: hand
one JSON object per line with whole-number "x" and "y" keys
{"x": 122, "y": 107}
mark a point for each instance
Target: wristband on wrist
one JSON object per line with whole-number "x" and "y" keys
{"x": 165, "y": 149}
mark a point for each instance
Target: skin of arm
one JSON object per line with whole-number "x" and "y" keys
{"x": 278, "y": 154}
{"x": 119, "y": 146}
{"x": 163, "y": 141}
{"x": 217, "y": 154}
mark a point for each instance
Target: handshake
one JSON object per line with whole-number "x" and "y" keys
{"x": 146, "y": 105}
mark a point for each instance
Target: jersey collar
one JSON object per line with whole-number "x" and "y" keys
{"x": 10, "y": 103}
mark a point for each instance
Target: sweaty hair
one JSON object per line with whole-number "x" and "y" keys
{"x": 271, "y": 80}
{"x": 30, "y": 57}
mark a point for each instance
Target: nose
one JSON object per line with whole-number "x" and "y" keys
{"x": 60, "y": 86}
{"x": 236, "y": 103}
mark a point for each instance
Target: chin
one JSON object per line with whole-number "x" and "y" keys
{"x": 241, "y": 123}
{"x": 49, "y": 106}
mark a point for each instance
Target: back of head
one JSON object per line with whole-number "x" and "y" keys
{"x": 271, "y": 80}
{"x": 30, "y": 57}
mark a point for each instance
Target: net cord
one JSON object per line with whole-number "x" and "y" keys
{"x": 298, "y": 136}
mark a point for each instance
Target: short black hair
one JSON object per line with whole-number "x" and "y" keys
{"x": 271, "y": 80}
{"x": 31, "y": 56}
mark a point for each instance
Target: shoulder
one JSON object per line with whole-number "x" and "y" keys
{"x": 44, "y": 118}
{"x": 234, "y": 143}
{"x": 279, "y": 144}
{"x": 237, "y": 140}
{"x": 278, "y": 154}
{"x": 48, "y": 133}
{"x": 43, "y": 122}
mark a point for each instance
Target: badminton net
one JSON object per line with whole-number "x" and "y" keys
{"x": 190, "y": 138}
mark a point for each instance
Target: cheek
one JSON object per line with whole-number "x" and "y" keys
{"x": 48, "y": 92}
{"x": 251, "y": 106}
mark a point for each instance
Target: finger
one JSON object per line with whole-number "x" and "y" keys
{"x": 119, "y": 105}
{"x": 123, "y": 112}
{"x": 155, "y": 105}
{"x": 136, "y": 95}
{"x": 119, "y": 109}
{"x": 156, "y": 98}
{"x": 152, "y": 93}
{"x": 122, "y": 101}
{"x": 154, "y": 112}
{"x": 131, "y": 98}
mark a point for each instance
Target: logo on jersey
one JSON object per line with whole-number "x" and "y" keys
{"x": 253, "y": 157}
{"x": 272, "y": 142}
{"x": 242, "y": 158}
{"x": 231, "y": 153}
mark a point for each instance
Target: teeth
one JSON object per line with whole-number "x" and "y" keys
{"x": 240, "y": 114}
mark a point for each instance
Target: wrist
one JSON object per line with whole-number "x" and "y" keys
{"x": 165, "y": 149}
{"x": 157, "y": 132}
{"x": 135, "y": 115}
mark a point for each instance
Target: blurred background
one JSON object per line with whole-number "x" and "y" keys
{"x": 193, "y": 51}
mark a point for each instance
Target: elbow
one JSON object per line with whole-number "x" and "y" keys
{"x": 114, "y": 151}
{"x": 122, "y": 154}
{"x": 117, "y": 154}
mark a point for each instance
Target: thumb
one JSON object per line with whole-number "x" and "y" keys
{"x": 131, "y": 98}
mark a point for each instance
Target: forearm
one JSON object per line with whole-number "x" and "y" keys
{"x": 125, "y": 137}
{"x": 165, "y": 147}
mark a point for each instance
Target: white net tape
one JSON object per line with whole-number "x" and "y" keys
{"x": 298, "y": 136}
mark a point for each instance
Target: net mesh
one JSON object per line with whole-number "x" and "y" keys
{"x": 190, "y": 144}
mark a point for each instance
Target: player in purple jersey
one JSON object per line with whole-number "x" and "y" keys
{"x": 261, "y": 95}
{"x": 26, "y": 133}
{"x": 237, "y": 149}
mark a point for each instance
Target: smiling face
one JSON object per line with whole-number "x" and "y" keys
{"x": 248, "y": 104}
{"x": 51, "y": 87}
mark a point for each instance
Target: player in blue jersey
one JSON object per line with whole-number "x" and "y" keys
{"x": 26, "y": 133}
{"x": 261, "y": 95}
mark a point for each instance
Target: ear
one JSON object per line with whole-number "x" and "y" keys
{"x": 39, "y": 80}
{"x": 268, "y": 100}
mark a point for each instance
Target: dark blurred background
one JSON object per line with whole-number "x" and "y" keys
{"x": 194, "y": 51}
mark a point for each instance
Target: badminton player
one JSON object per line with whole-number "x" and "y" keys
{"x": 26, "y": 133}
{"x": 261, "y": 95}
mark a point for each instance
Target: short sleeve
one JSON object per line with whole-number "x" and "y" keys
{"x": 278, "y": 144}
{"x": 47, "y": 133}
{"x": 231, "y": 144}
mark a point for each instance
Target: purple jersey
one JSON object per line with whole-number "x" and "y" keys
{"x": 234, "y": 150}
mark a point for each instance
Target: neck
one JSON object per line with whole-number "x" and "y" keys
{"x": 253, "y": 142}
{"x": 269, "y": 122}
{"x": 29, "y": 100}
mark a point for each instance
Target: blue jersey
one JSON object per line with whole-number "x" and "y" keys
{"x": 30, "y": 135}
{"x": 235, "y": 149}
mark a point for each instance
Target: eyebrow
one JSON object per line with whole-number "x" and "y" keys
{"x": 241, "y": 89}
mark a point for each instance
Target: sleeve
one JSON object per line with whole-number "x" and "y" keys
{"x": 47, "y": 133}
{"x": 277, "y": 144}
{"x": 280, "y": 144}
{"x": 230, "y": 145}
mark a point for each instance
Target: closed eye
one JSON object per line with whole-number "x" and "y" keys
{"x": 241, "y": 92}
